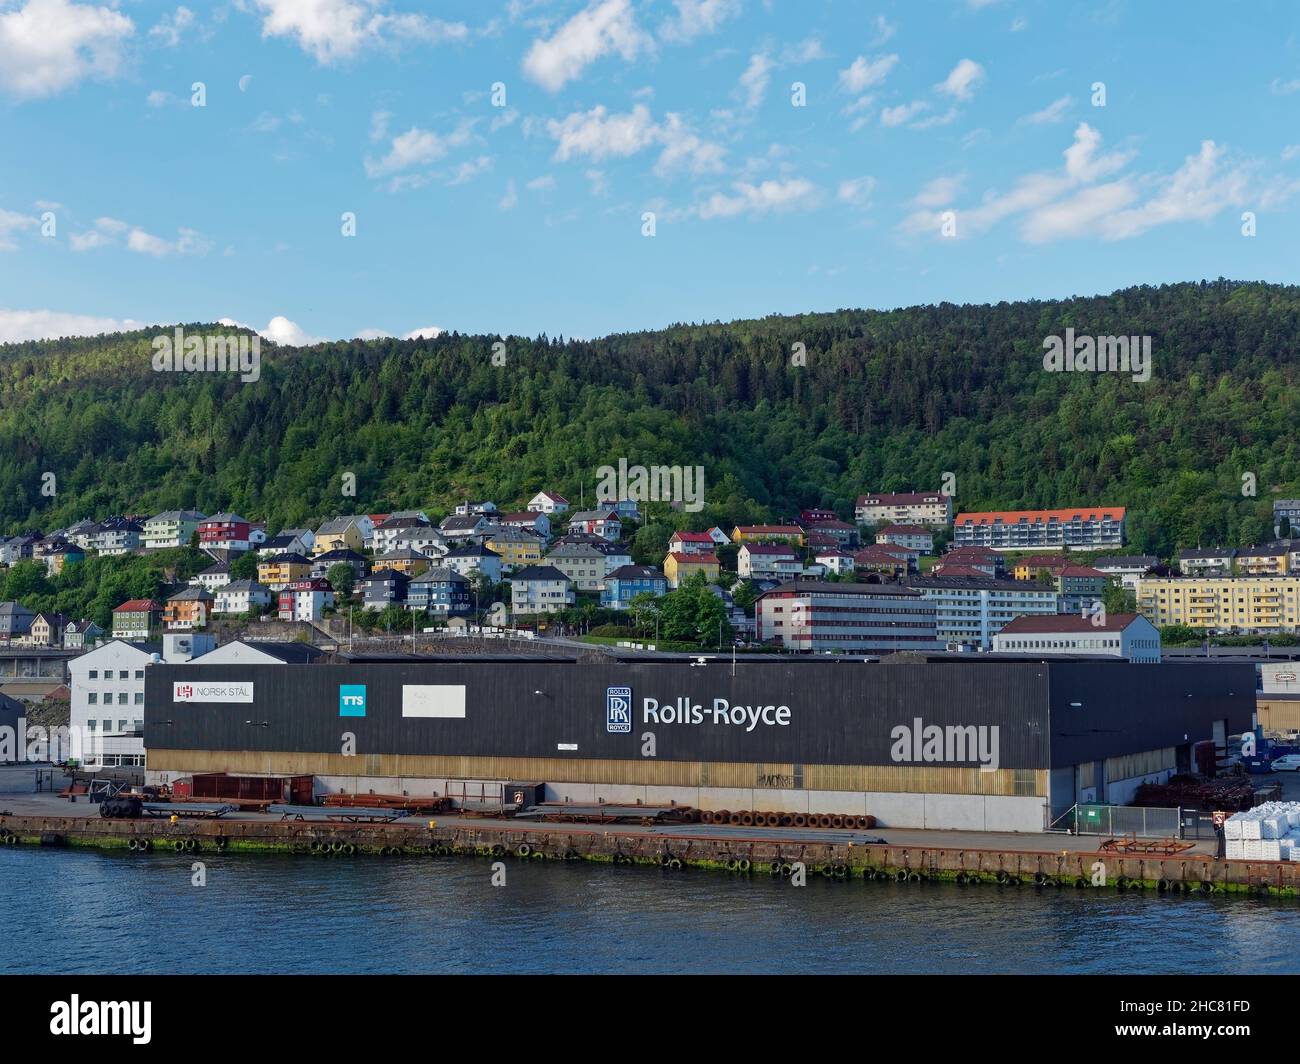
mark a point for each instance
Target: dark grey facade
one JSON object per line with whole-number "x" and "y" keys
{"x": 1048, "y": 715}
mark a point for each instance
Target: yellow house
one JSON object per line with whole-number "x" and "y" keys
{"x": 340, "y": 534}
{"x": 677, "y": 567}
{"x": 517, "y": 549}
{"x": 768, "y": 534}
{"x": 281, "y": 569}
{"x": 1255, "y": 603}
{"x": 410, "y": 562}
{"x": 1263, "y": 561}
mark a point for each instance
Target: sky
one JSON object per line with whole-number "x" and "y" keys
{"x": 361, "y": 168}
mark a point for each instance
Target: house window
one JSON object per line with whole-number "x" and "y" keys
{"x": 93, "y": 674}
{"x": 92, "y": 699}
{"x": 121, "y": 698}
{"x": 139, "y": 698}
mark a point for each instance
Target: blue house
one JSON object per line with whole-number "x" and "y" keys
{"x": 628, "y": 581}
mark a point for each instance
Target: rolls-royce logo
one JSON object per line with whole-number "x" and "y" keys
{"x": 618, "y": 710}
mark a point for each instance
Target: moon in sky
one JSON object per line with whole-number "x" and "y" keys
{"x": 243, "y": 82}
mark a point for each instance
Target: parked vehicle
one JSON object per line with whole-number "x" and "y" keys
{"x": 1287, "y": 763}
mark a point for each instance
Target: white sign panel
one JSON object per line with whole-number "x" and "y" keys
{"x": 226, "y": 691}
{"x": 439, "y": 700}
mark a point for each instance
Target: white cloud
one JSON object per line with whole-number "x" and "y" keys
{"x": 599, "y": 185}
{"x": 372, "y": 334}
{"x": 417, "y": 147}
{"x": 602, "y": 28}
{"x": 19, "y": 325}
{"x": 1088, "y": 196}
{"x": 170, "y": 27}
{"x": 545, "y": 183}
{"x": 279, "y": 330}
{"x": 940, "y": 192}
{"x": 1049, "y": 115}
{"x": 10, "y": 223}
{"x": 470, "y": 169}
{"x": 696, "y": 18}
{"x": 187, "y": 242}
{"x": 511, "y": 199}
{"x": 755, "y": 79}
{"x": 379, "y": 125}
{"x": 865, "y": 73}
{"x": 1284, "y": 88}
{"x": 962, "y": 80}
{"x": 331, "y": 30}
{"x": 1290, "y": 152}
{"x": 764, "y": 198}
{"x": 1018, "y": 25}
{"x": 884, "y": 30}
{"x": 158, "y": 98}
{"x": 856, "y": 192}
{"x": 47, "y": 46}
{"x": 425, "y": 332}
{"x": 599, "y": 135}
{"x": 904, "y": 112}
{"x": 805, "y": 51}
{"x": 265, "y": 123}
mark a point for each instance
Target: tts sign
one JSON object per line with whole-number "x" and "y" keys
{"x": 352, "y": 700}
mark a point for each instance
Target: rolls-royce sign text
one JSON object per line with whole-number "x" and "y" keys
{"x": 228, "y": 691}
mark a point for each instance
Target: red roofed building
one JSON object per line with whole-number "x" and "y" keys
{"x": 677, "y": 567}
{"x": 987, "y": 561}
{"x": 691, "y": 543}
{"x": 913, "y": 537}
{"x": 881, "y": 560}
{"x": 768, "y": 534}
{"x": 1119, "y": 635}
{"x": 1084, "y": 528}
{"x": 930, "y": 508}
{"x": 137, "y": 619}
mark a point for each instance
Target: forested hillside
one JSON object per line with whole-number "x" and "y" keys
{"x": 887, "y": 401}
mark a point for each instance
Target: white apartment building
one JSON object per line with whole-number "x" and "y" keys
{"x": 912, "y": 537}
{"x": 540, "y": 589}
{"x": 240, "y": 596}
{"x": 970, "y": 611}
{"x": 171, "y": 528}
{"x": 931, "y": 508}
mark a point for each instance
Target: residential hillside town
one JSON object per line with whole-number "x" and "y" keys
{"x": 904, "y": 573}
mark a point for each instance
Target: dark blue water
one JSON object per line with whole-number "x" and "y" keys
{"x": 87, "y": 911}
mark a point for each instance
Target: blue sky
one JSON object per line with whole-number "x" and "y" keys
{"x": 947, "y": 150}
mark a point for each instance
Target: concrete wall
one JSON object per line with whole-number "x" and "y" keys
{"x": 950, "y": 812}
{"x": 1122, "y": 792}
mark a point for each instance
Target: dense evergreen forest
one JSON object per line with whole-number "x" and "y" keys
{"x": 887, "y": 400}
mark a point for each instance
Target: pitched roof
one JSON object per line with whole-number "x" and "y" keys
{"x": 137, "y": 606}
{"x": 636, "y": 572}
{"x": 1069, "y": 622}
{"x": 198, "y": 594}
{"x": 695, "y": 559}
{"x": 770, "y": 530}
{"x": 1207, "y": 553}
{"x": 553, "y": 497}
{"x": 593, "y": 515}
{"x": 693, "y": 537}
{"x": 769, "y": 549}
{"x": 1126, "y": 561}
{"x": 900, "y": 498}
{"x": 238, "y": 586}
{"x": 538, "y": 573}
{"x": 904, "y": 530}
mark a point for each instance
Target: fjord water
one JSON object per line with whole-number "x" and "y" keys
{"x": 88, "y": 911}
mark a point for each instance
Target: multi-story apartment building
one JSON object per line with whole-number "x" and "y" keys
{"x": 171, "y": 528}
{"x": 1207, "y": 561}
{"x": 117, "y": 536}
{"x": 136, "y": 619}
{"x": 187, "y": 609}
{"x": 304, "y": 600}
{"x": 970, "y": 611}
{"x": 540, "y": 589}
{"x": 1128, "y": 568}
{"x": 225, "y": 531}
{"x": 516, "y": 548}
{"x": 766, "y": 561}
{"x": 913, "y": 537}
{"x": 1080, "y": 588}
{"x": 384, "y": 587}
{"x": 1084, "y": 528}
{"x": 1222, "y": 603}
{"x": 471, "y": 559}
{"x": 603, "y": 523}
{"x": 440, "y": 591}
{"x": 1290, "y": 509}
{"x": 280, "y": 570}
{"x": 628, "y": 581}
{"x": 241, "y": 596}
{"x": 867, "y": 618}
{"x": 1272, "y": 559}
{"x": 1118, "y": 635}
{"x": 930, "y": 508}
{"x": 583, "y": 563}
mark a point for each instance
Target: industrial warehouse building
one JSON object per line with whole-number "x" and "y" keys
{"x": 990, "y": 745}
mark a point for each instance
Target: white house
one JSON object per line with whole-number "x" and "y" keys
{"x": 240, "y": 596}
{"x": 474, "y": 558}
{"x": 767, "y": 560}
{"x": 913, "y": 537}
{"x": 171, "y": 528}
{"x": 548, "y": 502}
{"x": 540, "y": 589}
{"x": 305, "y": 600}
{"x": 835, "y": 561}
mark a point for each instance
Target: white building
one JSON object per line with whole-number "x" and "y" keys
{"x": 835, "y": 561}
{"x": 540, "y": 589}
{"x": 913, "y": 537}
{"x": 107, "y": 685}
{"x": 1128, "y": 568}
{"x": 1121, "y": 635}
{"x": 305, "y": 600}
{"x": 767, "y": 561}
{"x": 931, "y": 508}
{"x": 548, "y": 502}
{"x": 240, "y": 596}
{"x": 970, "y": 611}
{"x": 171, "y": 528}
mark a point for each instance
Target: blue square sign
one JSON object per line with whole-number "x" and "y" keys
{"x": 352, "y": 700}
